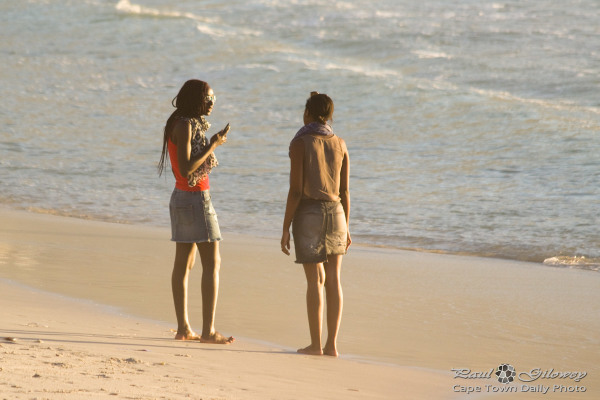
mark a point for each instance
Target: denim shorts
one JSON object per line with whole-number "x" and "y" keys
{"x": 319, "y": 229}
{"x": 193, "y": 218}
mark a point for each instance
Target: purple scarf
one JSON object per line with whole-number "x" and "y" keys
{"x": 314, "y": 127}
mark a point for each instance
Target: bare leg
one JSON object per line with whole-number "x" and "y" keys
{"x": 335, "y": 302}
{"x": 315, "y": 277}
{"x": 211, "y": 263}
{"x": 185, "y": 254}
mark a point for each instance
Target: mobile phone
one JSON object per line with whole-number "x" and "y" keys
{"x": 226, "y": 129}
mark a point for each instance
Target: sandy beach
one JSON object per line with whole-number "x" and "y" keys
{"x": 87, "y": 313}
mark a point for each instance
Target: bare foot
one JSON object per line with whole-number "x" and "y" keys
{"x": 189, "y": 335}
{"x": 217, "y": 338}
{"x": 330, "y": 351}
{"x": 311, "y": 351}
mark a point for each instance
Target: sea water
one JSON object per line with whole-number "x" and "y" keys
{"x": 473, "y": 126}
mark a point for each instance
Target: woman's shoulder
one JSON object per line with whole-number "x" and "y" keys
{"x": 297, "y": 142}
{"x": 342, "y": 144}
{"x": 195, "y": 123}
{"x": 181, "y": 129}
{"x": 182, "y": 124}
{"x": 181, "y": 121}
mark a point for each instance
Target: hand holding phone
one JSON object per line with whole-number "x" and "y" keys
{"x": 220, "y": 137}
{"x": 225, "y": 130}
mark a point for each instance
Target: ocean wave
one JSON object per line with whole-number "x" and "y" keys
{"x": 314, "y": 62}
{"x": 207, "y": 26}
{"x": 431, "y": 54}
{"x": 210, "y": 31}
{"x": 366, "y": 70}
{"x": 556, "y": 105}
{"x": 125, "y": 6}
{"x": 581, "y": 262}
{"x": 268, "y": 67}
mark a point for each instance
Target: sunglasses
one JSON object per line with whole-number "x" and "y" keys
{"x": 210, "y": 98}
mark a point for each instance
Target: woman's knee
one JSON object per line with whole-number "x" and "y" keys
{"x": 333, "y": 268}
{"x": 210, "y": 256}
{"x": 315, "y": 275}
{"x": 185, "y": 256}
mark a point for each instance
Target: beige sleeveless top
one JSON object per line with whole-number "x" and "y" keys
{"x": 323, "y": 156}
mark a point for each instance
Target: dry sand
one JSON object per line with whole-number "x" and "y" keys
{"x": 409, "y": 319}
{"x": 55, "y": 348}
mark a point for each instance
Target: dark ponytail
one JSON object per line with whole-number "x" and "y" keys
{"x": 320, "y": 107}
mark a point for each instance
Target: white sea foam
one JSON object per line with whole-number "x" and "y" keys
{"x": 211, "y": 31}
{"x": 212, "y": 27}
{"x": 431, "y": 54}
{"x": 269, "y": 67}
{"x": 362, "y": 69}
{"x": 388, "y": 14}
{"x": 126, "y": 6}
{"x": 582, "y": 262}
{"x": 553, "y": 104}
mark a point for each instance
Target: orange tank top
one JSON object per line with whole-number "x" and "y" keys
{"x": 181, "y": 182}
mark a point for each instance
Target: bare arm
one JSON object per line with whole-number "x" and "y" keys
{"x": 294, "y": 193}
{"x": 345, "y": 191}
{"x": 181, "y": 136}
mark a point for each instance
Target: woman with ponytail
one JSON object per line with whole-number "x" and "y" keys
{"x": 318, "y": 209}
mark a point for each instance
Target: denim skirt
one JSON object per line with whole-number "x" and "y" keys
{"x": 193, "y": 218}
{"x": 319, "y": 229}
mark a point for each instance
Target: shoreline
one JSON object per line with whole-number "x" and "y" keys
{"x": 557, "y": 261}
{"x": 422, "y": 311}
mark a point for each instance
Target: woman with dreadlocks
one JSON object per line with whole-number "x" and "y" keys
{"x": 194, "y": 222}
